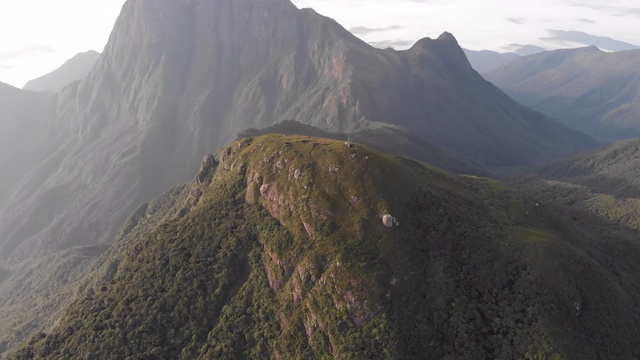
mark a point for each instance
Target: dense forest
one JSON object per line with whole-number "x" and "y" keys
{"x": 279, "y": 251}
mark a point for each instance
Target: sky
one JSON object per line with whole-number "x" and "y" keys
{"x": 37, "y": 36}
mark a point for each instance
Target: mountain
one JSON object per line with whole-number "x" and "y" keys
{"x": 591, "y": 90}
{"x": 524, "y": 50}
{"x": 394, "y": 140}
{"x": 582, "y": 38}
{"x": 300, "y": 247}
{"x": 604, "y": 182}
{"x": 74, "y": 69}
{"x": 177, "y": 79}
{"x": 483, "y": 61}
{"x": 25, "y": 133}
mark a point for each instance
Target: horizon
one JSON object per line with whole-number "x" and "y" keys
{"x": 50, "y": 37}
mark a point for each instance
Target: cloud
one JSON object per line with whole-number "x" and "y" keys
{"x": 6, "y": 67}
{"x": 524, "y": 50}
{"x": 589, "y": 21}
{"x": 363, "y": 30}
{"x": 391, "y": 43}
{"x": 610, "y": 9}
{"x": 517, "y": 21}
{"x": 25, "y": 52}
{"x": 579, "y": 37}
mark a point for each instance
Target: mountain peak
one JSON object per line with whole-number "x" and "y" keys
{"x": 447, "y": 36}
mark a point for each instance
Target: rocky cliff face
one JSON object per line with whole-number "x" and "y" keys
{"x": 178, "y": 79}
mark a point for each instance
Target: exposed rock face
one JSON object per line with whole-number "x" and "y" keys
{"x": 179, "y": 78}
{"x": 76, "y": 68}
{"x": 209, "y": 164}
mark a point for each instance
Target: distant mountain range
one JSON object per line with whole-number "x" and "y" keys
{"x": 484, "y": 61}
{"x": 76, "y": 68}
{"x": 587, "y": 89}
{"x": 25, "y": 133}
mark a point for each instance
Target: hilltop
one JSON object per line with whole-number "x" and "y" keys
{"x": 280, "y": 248}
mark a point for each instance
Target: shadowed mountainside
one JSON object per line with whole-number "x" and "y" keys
{"x": 587, "y": 89}
{"x": 74, "y": 69}
{"x": 603, "y": 182}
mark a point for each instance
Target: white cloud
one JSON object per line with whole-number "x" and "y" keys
{"x": 40, "y": 35}
{"x": 483, "y": 24}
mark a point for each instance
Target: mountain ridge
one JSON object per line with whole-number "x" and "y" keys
{"x": 74, "y": 69}
{"x": 585, "y": 88}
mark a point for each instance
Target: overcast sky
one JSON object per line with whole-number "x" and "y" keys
{"x": 37, "y": 36}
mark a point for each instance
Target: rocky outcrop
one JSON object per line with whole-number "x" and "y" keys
{"x": 209, "y": 164}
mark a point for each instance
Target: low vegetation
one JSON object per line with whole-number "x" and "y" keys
{"x": 604, "y": 183}
{"x": 277, "y": 250}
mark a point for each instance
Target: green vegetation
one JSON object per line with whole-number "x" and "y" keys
{"x": 281, "y": 253}
{"x": 604, "y": 183}
{"x": 31, "y": 303}
{"x": 394, "y": 140}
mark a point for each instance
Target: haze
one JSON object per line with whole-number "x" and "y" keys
{"x": 38, "y": 35}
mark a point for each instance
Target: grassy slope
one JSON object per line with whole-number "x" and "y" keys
{"x": 394, "y": 140}
{"x": 284, "y": 255}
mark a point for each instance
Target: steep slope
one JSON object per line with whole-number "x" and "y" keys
{"x": 280, "y": 252}
{"x": 74, "y": 69}
{"x": 585, "y": 88}
{"x": 180, "y": 78}
{"x": 483, "y": 61}
{"x": 604, "y": 182}
{"x": 33, "y": 298}
{"x": 25, "y": 133}
{"x": 394, "y": 140}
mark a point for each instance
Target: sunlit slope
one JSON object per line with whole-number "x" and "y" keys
{"x": 279, "y": 251}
